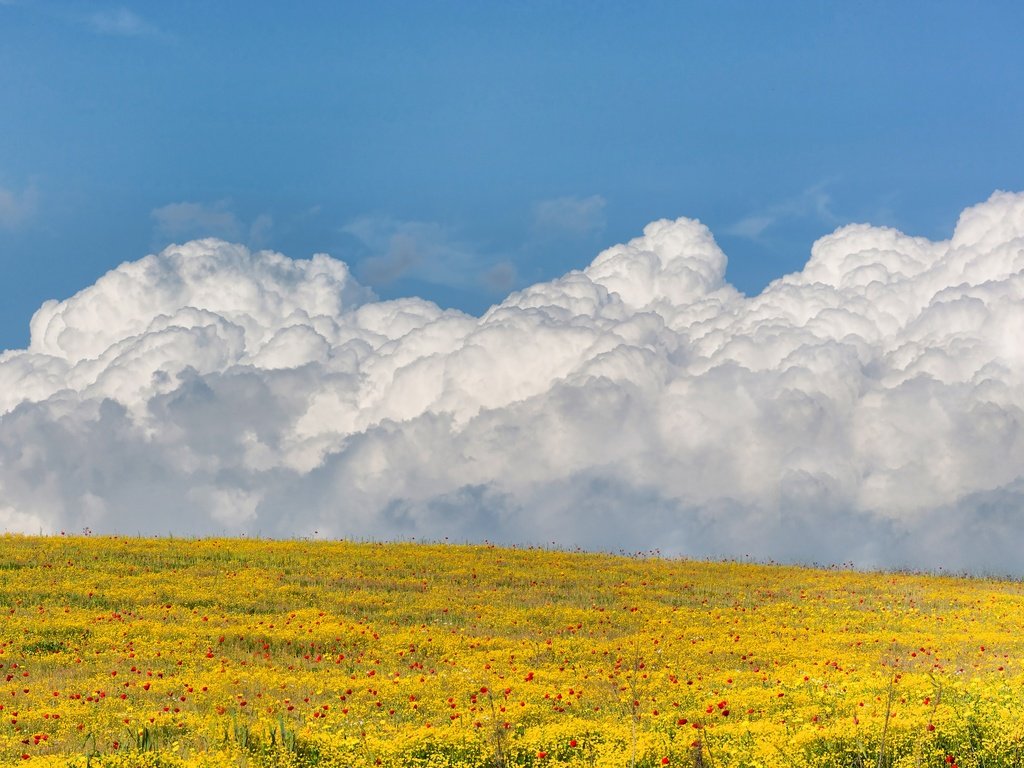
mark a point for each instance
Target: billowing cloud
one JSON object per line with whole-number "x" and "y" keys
{"x": 868, "y": 408}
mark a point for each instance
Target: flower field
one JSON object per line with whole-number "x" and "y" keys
{"x": 125, "y": 652}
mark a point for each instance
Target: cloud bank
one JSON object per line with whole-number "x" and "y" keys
{"x": 865, "y": 409}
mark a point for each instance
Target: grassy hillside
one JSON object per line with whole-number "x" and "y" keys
{"x": 122, "y": 652}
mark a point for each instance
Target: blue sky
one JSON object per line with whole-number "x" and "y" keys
{"x": 458, "y": 150}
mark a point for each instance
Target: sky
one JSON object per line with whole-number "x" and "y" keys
{"x": 716, "y": 279}
{"x": 455, "y": 151}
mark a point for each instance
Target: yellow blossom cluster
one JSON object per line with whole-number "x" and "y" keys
{"x": 169, "y": 652}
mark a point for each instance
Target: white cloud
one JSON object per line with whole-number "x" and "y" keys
{"x": 17, "y": 207}
{"x": 576, "y": 216}
{"x": 14, "y": 521}
{"x": 868, "y": 408}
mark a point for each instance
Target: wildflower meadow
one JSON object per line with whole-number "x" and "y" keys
{"x": 170, "y": 652}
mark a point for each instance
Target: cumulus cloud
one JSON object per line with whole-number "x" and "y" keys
{"x": 869, "y": 408}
